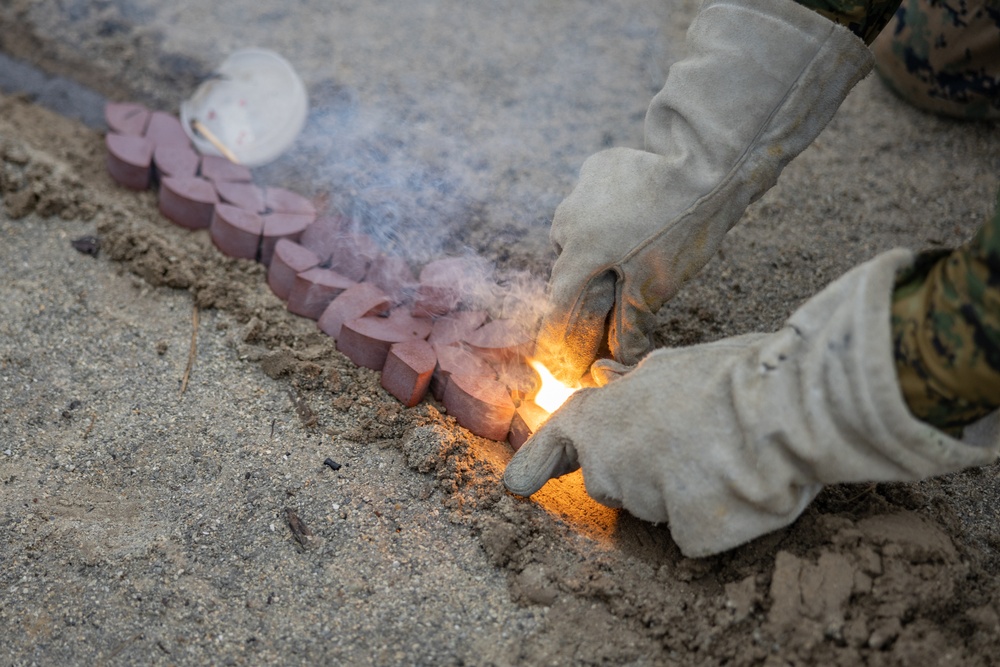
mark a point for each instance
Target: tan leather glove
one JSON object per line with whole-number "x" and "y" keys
{"x": 761, "y": 80}
{"x": 730, "y": 440}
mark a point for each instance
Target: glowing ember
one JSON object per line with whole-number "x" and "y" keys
{"x": 553, "y": 392}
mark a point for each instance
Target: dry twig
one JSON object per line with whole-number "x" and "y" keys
{"x": 194, "y": 347}
{"x": 90, "y": 426}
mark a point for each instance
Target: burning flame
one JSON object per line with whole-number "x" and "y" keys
{"x": 553, "y": 393}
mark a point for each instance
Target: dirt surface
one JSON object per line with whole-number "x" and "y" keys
{"x": 143, "y": 524}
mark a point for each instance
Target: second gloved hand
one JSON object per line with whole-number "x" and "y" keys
{"x": 761, "y": 80}
{"x": 730, "y": 440}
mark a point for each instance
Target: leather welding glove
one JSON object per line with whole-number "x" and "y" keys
{"x": 730, "y": 440}
{"x": 761, "y": 80}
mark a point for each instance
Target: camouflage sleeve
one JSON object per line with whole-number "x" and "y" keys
{"x": 865, "y": 18}
{"x": 946, "y": 331}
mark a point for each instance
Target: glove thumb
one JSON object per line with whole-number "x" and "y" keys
{"x": 608, "y": 370}
{"x": 547, "y": 454}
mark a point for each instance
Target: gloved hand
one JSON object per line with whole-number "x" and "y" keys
{"x": 730, "y": 440}
{"x": 761, "y": 80}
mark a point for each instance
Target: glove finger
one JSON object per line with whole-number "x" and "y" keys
{"x": 608, "y": 370}
{"x": 576, "y": 325}
{"x": 630, "y": 327}
{"x": 549, "y": 453}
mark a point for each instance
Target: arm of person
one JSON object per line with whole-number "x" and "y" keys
{"x": 733, "y": 439}
{"x": 759, "y": 83}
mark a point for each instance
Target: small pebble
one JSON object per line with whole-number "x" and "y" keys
{"x": 88, "y": 245}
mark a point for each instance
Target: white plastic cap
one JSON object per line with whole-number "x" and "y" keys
{"x": 256, "y": 106}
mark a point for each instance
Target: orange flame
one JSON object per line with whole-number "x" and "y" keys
{"x": 553, "y": 393}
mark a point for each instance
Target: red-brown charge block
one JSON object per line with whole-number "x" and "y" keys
{"x": 236, "y": 231}
{"x": 280, "y": 200}
{"x": 443, "y": 283}
{"x": 126, "y": 118}
{"x": 500, "y": 341}
{"x": 366, "y": 340}
{"x": 455, "y": 326}
{"x": 480, "y": 404}
{"x": 217, "y": 168}
{"x": 244, "y": 195}
{"x": 165, "y": 129}
{"x": 323, "y": 235}
{"x": 279, "y": 226}
{"x": 354, "y": 302}
{"x": 407, "y": 324}
{"x": 527, "y": 419}
{"x": 407, "y": 371}
{"x": 175, "y": 160}
{"x": 129, "y": 160}
{"x": 457, "y": 360}
{"x": 522, "y": 380}
{"x": 190, "y": 202}
{"x": 289, "y": 260}
{"x": 353, "y": 254}
{"x": 314, "y": 289}
{"x": 393, "y": 275}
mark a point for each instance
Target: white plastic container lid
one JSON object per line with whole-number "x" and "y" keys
{"x": 256, "y": 105}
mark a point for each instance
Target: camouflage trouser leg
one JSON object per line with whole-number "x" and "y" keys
{"x": 939, "y": 55}
{"x": 944, "y": 56}
{"x": 946, "y": 331}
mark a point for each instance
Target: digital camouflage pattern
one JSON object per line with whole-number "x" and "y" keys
{"x": 940, "y": 56}
{"x": 946, "y": 331}
{"x": 865, "y": 18}
{"x": 944, "y": 57}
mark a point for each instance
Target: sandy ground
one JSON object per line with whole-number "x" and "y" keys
{"x": 142, "y": 524}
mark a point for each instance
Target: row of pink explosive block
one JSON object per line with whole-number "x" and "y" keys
{"x": 412, "y": 329}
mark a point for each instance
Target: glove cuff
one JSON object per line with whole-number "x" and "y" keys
{"x": 815, "y": 403}
{"x": 862, "y": 396}
{"x": 761, "y": 82}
